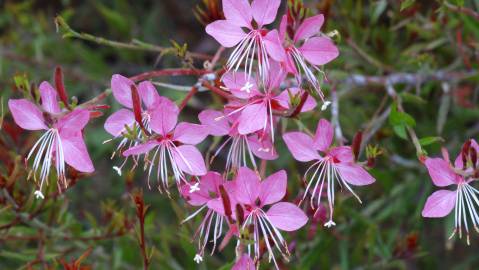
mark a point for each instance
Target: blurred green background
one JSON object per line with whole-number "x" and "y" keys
{"x": 376, "y": 38}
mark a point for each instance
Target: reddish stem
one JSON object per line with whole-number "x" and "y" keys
{"x": 217, "y": 90}
{"x": 192, "y": 92}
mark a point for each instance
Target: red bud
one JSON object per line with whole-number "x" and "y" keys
{"x": 358, "y": 138}
{"x": 473, "y": 156}
{"x": 95, "y": 114}
{"x": 465, "y": 153}
{"x": 239, "y": 214}
{"x": 135, "y": 97}
{"x": 226, "y": 203}
{"x": 60, "y": 87}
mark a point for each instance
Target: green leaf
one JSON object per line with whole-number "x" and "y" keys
{"x": 400, "y": 130}
{"x": 458, "y": 2}
{"x": 397, "y": 118}
{"x": 430, "y": 140}
{"x": 406, "y": 4}
{"x": 414, "y": 99}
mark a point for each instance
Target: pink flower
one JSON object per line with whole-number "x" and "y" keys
{"x": 116, "y": 123}
{"x": 305, "y": 51}
{"x": 207, "y": 196}
{"x": 336, "y": 164}
{"x": 173, "y": 144}
{"x": 256, "y": 112}
{"x": 244, "y": 263}
{"x": 63, "y": 140}
{"x": 255, "y": 41}
{"x": 255, "y": 195}
{"x": 242, "y": 147}
{"x": 464, "y": 200}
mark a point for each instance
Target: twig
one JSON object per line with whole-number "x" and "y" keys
{"x": 176, "y": 87}
{"x": 141, "y": 210}
{"x": 216, "y": 90}
{"x": 373, "y": 127}
{"x": 335, "y": 116}
{"x": 367, "y": 57}
{"x": 463, "y": 10}
{"x": 443, "y": 107}
{"x": 133, "y": 45}
{"x": 187, "y": 98}
{"x": 405, "y": 78}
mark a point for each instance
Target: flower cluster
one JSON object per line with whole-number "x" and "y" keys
{"x": 270, "y": 76}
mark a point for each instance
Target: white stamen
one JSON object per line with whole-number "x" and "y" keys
{"x": 49, "y": 147}
{"x": 194, "y": 188}
{"x": 247, "y": 87}
{"x": 198, "y": 259}
{"x": 329, "y": 175}
{"x": 325, "y": 105}
{"x": 329, "y": 224}
{"x": 39, "y": 195}
{"x": 117, "y": 170}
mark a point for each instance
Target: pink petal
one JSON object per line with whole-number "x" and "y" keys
{"x": 276, "y": 75}
{"x": 439, "y": 204}
{"x": 74, "y": 121}
{"x": 286, "y": 216}
{"x": 342, "y": 153}
{"x": 273, "y": 46}
{"x": 300, "y": 146}
{"x": 218, "y": 206}
{"x": 282, "y": 27}
{"x": 26, "y": 114}
{"x": 244, "y": 263}
{"x": 235, "y": 83}
{"x": 319, "y": 50}
{"x": 211, "y": 182}
{"x": 324, "y": 135}
{"x": 238, "y": 12}
{"x": 216, "y": 122}
{"x": 284, "y": 100}
{"x": 264, "y": 149}
{"x": 197, "y": 198}
{"x": 264, "y": 11}
{"x": 309, "y": 27}
{"x": 165, "y": 117}
{"x": 226, "y": 33}
{"x": 209, "y": 189}
{"x": 441, "y": 172}
{"x": 49, "y": 99}
{"x": 253, "y": 118}
{"x": 148, "y": 93}
{"x": 115, "y": 123}
{"x": 140, "y": 149}
{"x": 247, "y": 185}
{"x": 189, "y": 160}
{"x": 354, "y": 174}
{"x": 76, "y": 153}
{"x": 273, "y": 188}
{"x": 290, "y": 65}
{"x": 190, "y": 133}
{"x": 121, "y": 88}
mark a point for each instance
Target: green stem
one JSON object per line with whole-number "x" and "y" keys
{"x": 133, "y": 45}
